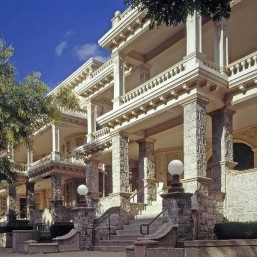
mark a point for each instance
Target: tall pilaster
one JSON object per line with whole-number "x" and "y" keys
{"x": 56, "y": 183}
{"x": 91, "y": 121}
{"x": 195, "y": 145}
{"x": 221, "y": 43}
{"x": 119, "y": 79}
{"x": 120, "y": 164}
{"x": 147, "y": 169}
{"x": 30, "y": 198}
{"x": 144, "y": 73}
{"x": 194, "y": 33}
{"x": 255, "y": 157}
{"x": 92, "y": 178}
{"x": 11, "y": 203}
{"x": 222, "y": 147}
{"x": 29, "y": 156}
{"x": 55, "y": 142}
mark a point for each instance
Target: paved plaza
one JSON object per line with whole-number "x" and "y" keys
{"x": 9, "y": 253}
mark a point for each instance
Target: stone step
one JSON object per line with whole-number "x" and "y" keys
{"x": 110, "y": 248}
{"x": 140, "y": 221}
{"x": 153, "y": 226}
{"x": 165, "y": 252}
{"x": 115, "y": 242}
{"x": 131, "y": 232}
{"x": 131, "y": 238}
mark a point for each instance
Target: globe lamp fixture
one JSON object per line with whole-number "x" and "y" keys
{"x": 176, "y": 168}
{"x": 82, "y": 190}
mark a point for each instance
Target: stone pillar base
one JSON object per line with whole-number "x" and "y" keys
{"x": 192, "y": 185}
{"x": 83, "y": 220}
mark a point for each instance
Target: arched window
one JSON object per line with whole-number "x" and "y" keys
{"x": 243, "y": 155}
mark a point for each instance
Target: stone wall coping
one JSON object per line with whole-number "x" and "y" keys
{"x": 219, "y": 243}
{"x": 24, "y": 231}
{"x": 44, "y": 244}
{"x": 146, "y": 242}
{"x": 66, "y": 236}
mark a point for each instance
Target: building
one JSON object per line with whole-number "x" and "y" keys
{"x": 187, "y": 92}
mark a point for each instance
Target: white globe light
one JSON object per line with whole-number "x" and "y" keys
{"x": 82, "y": 190}
{"x": 176, "y": 167}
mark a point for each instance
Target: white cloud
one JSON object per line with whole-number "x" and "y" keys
{"x": 68, "y": 33}
{"x": 89, "y": 50}
{"x": 60, "y": 48}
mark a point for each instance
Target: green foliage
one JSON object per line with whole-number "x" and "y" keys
{"x": 61, "y": 228}
{"x": 66, "y": 98}
{"x": 172, "y": 12}
{"x": 25, "y": 106}
{"x": 236, "y": 230}
{"x": 7, "y": 170}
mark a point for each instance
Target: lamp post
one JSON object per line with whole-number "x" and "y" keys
{"x": 175, "y": 168}
{"x": 83, "y": 191}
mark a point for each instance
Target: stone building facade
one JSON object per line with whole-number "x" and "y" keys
{"x": 186, "y": 92}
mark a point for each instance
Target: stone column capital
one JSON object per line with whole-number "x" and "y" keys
{"x": 118, "y": 55}
{"x": 146, "y": 140}
{"x": 222, "y": 110}
{"x": 195, "y": 98}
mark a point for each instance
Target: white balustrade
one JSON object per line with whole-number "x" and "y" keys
{"x": 154, "y": 82}
{"x": 101, "y": 68}
{"x": 80, "y": 112}
{"x": 100, "y": 133}
{"x": 242, "y": 65}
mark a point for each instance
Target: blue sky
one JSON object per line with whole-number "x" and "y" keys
{"x": 55, "y": 37}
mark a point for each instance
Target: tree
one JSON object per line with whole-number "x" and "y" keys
{"x": 25, "y": 107}
{"x": 172, "y": 12}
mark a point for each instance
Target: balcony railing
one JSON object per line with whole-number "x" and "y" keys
{"x": 242, "y": 65}
{"x": 101, "y": 68}
{"x": 67, "y": 158}
{"x": 154, "y": 82}
{"x": 20, "y": 167}
{"x": 72, "y": 158}
{"x": 100, "y": 133}
{"x": 80, "y": 112}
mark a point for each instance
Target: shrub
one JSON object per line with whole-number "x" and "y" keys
{"x": 7, "y": 228}
{"x": 60, "y": 228}
{"x": 236, "y": 230}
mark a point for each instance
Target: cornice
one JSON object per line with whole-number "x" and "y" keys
{"x": 79, "y": 75}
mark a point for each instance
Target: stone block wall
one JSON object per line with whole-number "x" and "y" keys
{"x": 209, "y": 211}
{"x": 241, "y": 191}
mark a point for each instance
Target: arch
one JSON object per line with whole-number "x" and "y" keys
{"x": 243, "y": 155}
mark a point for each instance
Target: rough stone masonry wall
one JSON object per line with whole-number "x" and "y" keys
{"x": 208, "y": 212}
{"x": 241, "y": 191}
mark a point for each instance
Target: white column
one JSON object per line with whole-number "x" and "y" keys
{"x": 119, "y": 79}
{"x": 221, "y": 43}
{"x": 55, "y": 142}
{"x": 91, "y": 121}
{"x": 144, "y": 73}
{"x": 194, "y": 33}
{"x": 29, "y": 156}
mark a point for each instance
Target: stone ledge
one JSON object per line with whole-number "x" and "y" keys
{"x": 219, "y": 243}
{"x": 41, "y": 248}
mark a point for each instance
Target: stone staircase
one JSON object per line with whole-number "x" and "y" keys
{"x": 131, "y": 232}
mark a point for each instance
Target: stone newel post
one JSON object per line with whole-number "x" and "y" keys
{"x": 11, "y": 204}
{"x": 30, "y": 198}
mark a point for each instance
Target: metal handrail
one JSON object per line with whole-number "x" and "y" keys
{"x": 104, "y": 217}
{"x": 136, "y": 193}
{"x": 148, "y": 224}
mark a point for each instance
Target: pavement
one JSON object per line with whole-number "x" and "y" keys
{"x": 8, "y": 252}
